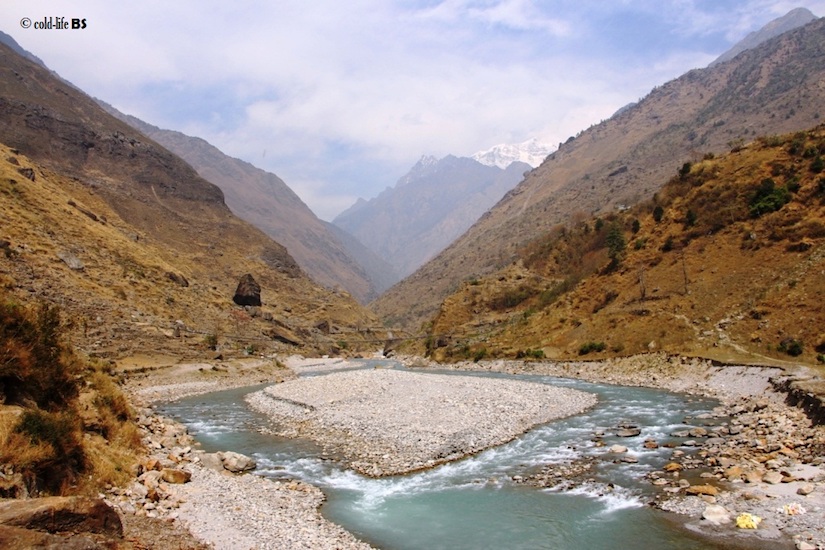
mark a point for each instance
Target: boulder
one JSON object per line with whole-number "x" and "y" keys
{"x": 174, "y": 475}
{"x": 716, "y": 515}
{"x": 248, "y": 292}
{"x": 628, "y": 432}
{"x": 772, "y": 477}
{"x": 62, "y": 514}
{"x": 236, "y": 462}
{"x": 618, "y": 449}
{"x": 17, "y": 537}
{"x": 702, "y": 490}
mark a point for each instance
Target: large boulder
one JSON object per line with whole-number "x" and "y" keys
{"x": 63, "y": 515}
{"x": 236, "y": 462}
{"x": 248, "y": 292}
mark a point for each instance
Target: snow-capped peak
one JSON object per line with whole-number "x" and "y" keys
{"x": 532, "y": 152}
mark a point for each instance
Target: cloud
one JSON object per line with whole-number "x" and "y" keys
{"x": 341, "y": 99}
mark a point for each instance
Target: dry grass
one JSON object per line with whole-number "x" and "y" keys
{"x": 718, "y": 283}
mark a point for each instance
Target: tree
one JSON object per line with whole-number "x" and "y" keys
{"x": 616, "y": 244}
{"x": 658, "y": 212}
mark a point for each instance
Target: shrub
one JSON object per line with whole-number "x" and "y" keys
{"x": 768, "y": 198}
{"x": 479, "y": 355}
{"x": 33, "y": 362}
{"x": 658, "y": 212}
{"x": 61, "y": 433}
{"x": 790, "y": 346}
{"x": 817, "y": 165}
{"x": 591, "y": 347}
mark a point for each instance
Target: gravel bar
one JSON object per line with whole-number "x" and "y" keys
{"x": 387, "y": 422}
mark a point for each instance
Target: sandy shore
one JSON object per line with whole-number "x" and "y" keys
{"x": 388, "y": 422}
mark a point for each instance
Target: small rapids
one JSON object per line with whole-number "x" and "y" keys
{"x": 488, "y": 500}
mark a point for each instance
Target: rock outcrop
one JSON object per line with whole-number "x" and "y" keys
{"x": 248, "y": 292}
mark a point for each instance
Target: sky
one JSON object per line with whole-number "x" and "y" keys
{"x": 341, "y": 99}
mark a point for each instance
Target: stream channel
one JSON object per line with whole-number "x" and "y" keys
{"x": 475, "y": 503}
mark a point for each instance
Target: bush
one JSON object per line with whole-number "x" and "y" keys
{"x": 790, "y": 346}
{"x": 768, "y": 198}
{"x": 34, "y": 364}
{"x": 61, "y": 432}
{"x": 592, "y": 346}
{"x": 658, "y": 213}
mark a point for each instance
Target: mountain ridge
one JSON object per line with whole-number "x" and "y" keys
{"x": 266, "y": 201}
{"x": 773, "y": 88}
{"x": 427, "y": 208}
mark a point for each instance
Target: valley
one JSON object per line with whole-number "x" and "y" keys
{"x": 623, "y": 343}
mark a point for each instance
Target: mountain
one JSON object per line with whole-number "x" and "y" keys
{"x": 436, "y": 201}
{"x": 771, "y": 89}
{"x": 265, "y": 201}
{"x": 792, "y": 20}
{"x": 141, "y": 253}
{"x": 725, "y": 262}
{"x": 531, "y": 152}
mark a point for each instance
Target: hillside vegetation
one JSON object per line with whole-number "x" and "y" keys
{"x": 727, "y": 260}
{"x": 775, "y": 88}
{"x": 65, "y": 426}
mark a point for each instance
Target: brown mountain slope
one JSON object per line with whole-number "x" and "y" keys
{"x": 733, "y": 269}
{"x": 264, "y": 200}
{"x": 136, "y": 217}
{"x": 774, "y": 88}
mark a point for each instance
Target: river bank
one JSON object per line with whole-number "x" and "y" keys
{"x": 736, "y": 387}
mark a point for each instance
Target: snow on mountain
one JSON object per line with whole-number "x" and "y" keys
{"x": 532, "y": 152}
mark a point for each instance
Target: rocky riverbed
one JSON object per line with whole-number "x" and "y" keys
{"x": 387, "y": 422}
{"x": 757, "y": 455}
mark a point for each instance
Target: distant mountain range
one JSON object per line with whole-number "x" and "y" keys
{"x": 532, "y": 152}
{"x": 435, "y": 202}
{"x": 773, "y": 88}
{"x": 264, "y": 200}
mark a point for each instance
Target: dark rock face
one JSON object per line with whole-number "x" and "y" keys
{"x": 62, "y": 514}
{"x": 248, "y": 292}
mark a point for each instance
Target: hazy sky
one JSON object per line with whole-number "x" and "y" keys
{"x": 340, "y": 99}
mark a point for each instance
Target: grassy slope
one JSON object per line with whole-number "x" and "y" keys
{"x": 732, "y": 286}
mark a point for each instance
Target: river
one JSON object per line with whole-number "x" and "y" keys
{"x": 475, "y": 502}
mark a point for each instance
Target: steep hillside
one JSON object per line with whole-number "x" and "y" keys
{"x": 435, "y": 202}
{"x": 774, "y": 88}
{"x": 265, "y": 201}
{"x": 140, "y": 251}
{"x": 726, "y": 261}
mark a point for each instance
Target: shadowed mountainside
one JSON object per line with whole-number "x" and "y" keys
{"x": 265, "y": 201}
{"x": 130, "y": 240}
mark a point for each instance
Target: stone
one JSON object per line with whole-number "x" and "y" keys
{"x": 617, "y": 449}
{"x": 628, "y": 432}
{"x": 673, "y": 467}
{"x": 702, "y": 490}
{"x": 805, "y": 490}
{"x": 772, "y": 477}
{"x": 177, "y": 476}
{"x": 71, "y": 260}
{"x": 236, "y": 462}
{"x": 650, "y": 444}
{"x": 753, "y": 476}
{"x": 248, "y": 292}
{"x": 177, "y": 278}
{"x": 62, "y": 514}
{"x": 697, "y": 432}
{"x": 716, "y": 515}
{"x": 734, "y": 473}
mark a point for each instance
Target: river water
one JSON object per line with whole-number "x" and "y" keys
{"x": 474, "y": 503}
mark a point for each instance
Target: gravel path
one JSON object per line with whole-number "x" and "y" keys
{"x": 387, "y": 422}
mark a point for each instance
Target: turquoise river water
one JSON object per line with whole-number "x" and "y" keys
{"x": 474, "y": 503}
